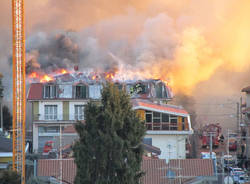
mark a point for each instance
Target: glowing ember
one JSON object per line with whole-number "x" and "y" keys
{"x": 46, "y": 78}
{"x": 63, "y": 71}
{"x": 109, "y": 76}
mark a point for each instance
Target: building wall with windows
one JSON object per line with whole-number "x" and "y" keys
{"x": 172, "y": 146}
{"x": 62, "y": 104}
{"x": 167, "y": 126}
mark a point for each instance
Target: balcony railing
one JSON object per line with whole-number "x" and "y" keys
{"x": 161, "y": 126}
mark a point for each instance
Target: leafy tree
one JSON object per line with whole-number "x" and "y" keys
{"x": 9, "y": 177}
{"x": 108, "y": 150}
{"x": 7, "y": 118}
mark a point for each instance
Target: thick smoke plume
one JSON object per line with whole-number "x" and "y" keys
{"x": 181, "y": 42}
{"x": 48, "y": 53}
{"x": 198, "y": 47}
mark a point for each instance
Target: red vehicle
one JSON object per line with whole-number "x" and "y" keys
{"x": 48, "y": 147}
{"x": 232, "y": 144}
{"x": 211, "y": 129}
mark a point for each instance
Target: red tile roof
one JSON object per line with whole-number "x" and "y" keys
{"x": 162, "y": 107}
{"x": 246, "y": 89}
{"x": 155, "y": 169}
{"x": 35, "y": 91}
{"x": 51, "y": 167}
{"x": 193, "y": 167}
{"x": 186, "y": 169}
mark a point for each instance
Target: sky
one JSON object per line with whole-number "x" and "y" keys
{"x": 199, "y": 47}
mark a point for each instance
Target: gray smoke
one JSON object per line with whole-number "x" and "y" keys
{"x": 91, "y": 47}
{"x": 51, "y": 52}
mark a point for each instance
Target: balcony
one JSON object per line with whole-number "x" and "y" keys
{"x": 50, "y": 118}
{"x": 161, "y": 126}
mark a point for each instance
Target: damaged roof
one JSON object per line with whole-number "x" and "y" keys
{"x": 65, "y": 88}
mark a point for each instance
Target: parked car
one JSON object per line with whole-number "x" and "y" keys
{"x": 229, "y": 161}
{"x": 238, "y": 174}
{"x": 242, "y": 179}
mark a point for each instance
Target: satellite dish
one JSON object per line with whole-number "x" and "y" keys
{"x": 228, "y": 180}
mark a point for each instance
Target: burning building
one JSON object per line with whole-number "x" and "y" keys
{"x": 59, "y": 100}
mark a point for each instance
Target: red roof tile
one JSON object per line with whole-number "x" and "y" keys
{"x": 35, "y": 91}
{"x": 162, "y": 107}
{"x": 155, "y": 169}
{"x": 51, "y": 167}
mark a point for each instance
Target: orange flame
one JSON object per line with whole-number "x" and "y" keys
{"x": 63, "y": 71}
{"x": 33, "y": 75}
{"x": 109, "y": 76}
{"x": 46, "y": 78}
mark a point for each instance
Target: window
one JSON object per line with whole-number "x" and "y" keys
{"x": 165, "y": 118}
{"x": 81, "y": 91}
{"x": 79, "y": 112}
{"x": 173, "y": 122}
{"x": 149, "y": 117}
{"x": 50, "y": 91}
{"x": 147, "y": 141}
{"x": 49, "y": 129}
{"x": 50, "y": 112}
{"x": 156, "y": 117}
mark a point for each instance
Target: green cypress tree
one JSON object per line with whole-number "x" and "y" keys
{"x": 109, "y": 148}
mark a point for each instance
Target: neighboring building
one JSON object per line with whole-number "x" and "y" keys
{"x": 60, "y": 103}
{"x": 168, "y": 127}
{"x": 246, "y": 109}
{"x": 5, "y": 152}
{"x": 156, "y": 170}
{"x": 246, "y": 118}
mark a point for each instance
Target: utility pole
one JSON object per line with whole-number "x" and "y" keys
{"x": 60, "y": 154}
{"x": 240, "y": 109}
{"x": 211, "y": 144}
{"x": 238, "y": 117}
{"x": 223, "y": 166}
{"x": 227, "y": 141}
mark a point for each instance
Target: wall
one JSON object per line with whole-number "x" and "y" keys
{"x": 170, "y": 145}
{"x": 66, "y": 110}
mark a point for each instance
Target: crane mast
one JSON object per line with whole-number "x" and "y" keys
{"x": 18, "y": 123}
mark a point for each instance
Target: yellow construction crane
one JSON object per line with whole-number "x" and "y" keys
{"x": 18, "y": 88}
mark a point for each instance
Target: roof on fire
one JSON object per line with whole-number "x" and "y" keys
{"x": 143, "y": 89}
